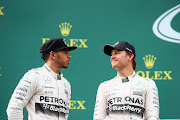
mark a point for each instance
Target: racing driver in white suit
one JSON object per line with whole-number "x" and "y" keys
{"x": 127, "y": 96}
{"x": 44, "y": 91}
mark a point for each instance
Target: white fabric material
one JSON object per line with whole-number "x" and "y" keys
{"x": 44, "y": 96}
{"x": 135, "y": 99}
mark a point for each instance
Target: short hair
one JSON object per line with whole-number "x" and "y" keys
{"x": 45, "y": 57}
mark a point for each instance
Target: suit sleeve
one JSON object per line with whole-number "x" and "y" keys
{"x": 152, "y": 102}
{"x": 100, "y": 105}
{"x": 21, "y": 95}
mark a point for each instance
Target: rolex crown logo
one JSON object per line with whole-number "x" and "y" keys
{"x": 65, "y": 28}
{"x": 149, "y": 61}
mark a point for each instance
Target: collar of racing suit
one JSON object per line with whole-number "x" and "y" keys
{"x": 54, "y": 75}
{"x": 126, "y": 79}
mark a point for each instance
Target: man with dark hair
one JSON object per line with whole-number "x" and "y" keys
{"x": 127, "y": 96}
{"x": 44, "y": 91}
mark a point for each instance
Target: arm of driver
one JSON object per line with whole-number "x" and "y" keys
{"x": 100, "y": 105}
{"x": 69, "y": 98}
{"x": 22, "y": 94}
{"x": 152, "y": 102}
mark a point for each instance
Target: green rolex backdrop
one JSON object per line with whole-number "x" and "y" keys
{"x": 153, "y": 27}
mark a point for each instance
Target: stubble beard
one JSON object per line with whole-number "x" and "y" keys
{"x": 60, "y": 64}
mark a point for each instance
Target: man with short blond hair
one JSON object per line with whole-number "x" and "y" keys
{"x": 127, "y": 96}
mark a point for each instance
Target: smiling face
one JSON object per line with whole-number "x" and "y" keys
{"x": 120, "y": 59}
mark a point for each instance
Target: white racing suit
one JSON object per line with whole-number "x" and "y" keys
{"x": 131, "y": 98}
{"x": 45, "y": 94}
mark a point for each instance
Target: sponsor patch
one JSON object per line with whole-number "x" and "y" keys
{"x": 125, "y": 79}
{"x": 47, "y": 79}
{"x": 138, "y": 83}
{"x": 120, "y": 108}
{"x": 137, "y": 93}
{"x": 66, "y": 92}
{"x": 50, "y": 109}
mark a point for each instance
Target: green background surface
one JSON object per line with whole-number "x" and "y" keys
{"x": 25, "y": 23}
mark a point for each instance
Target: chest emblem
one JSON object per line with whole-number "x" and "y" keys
{"x": 47, "y": 79}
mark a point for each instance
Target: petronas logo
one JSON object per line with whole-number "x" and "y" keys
{"x": 65, "y": 28}
{"x": 149, "y": 61}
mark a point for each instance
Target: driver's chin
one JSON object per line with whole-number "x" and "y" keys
{"x": 114, "y": 66}
{"x": 65, "y": 66}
